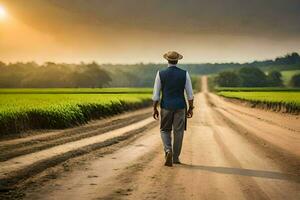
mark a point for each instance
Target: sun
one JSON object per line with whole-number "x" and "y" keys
{"x": 3, "y": 13}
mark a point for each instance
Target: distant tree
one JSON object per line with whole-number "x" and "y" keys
{"x": 121, "y": 78}
{"x": 252, "y": 77}
{"x": 288, "y": 59}
{"x": 274, "y": 79}
{"x": 92, "y": 76}
{"x": 2, "y": 64}
{"x": 295, "y": 81}
{"x": 228, "y": 79}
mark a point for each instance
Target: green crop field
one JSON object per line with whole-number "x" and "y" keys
{"x": 276, "y": 100}
{"x": 287, "y": 75}
{"x": 290, "y": 97}
{"x": 26, "y": 109}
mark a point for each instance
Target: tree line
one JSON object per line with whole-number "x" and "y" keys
{"x": 54, "y": 75}
{"x": 83, "y": 75}
{"x": 253, "y": 77}
{"x": 51, "y": 75}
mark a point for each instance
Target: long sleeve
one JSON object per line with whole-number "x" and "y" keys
{"x": 188, "y": 87}
{"x": 157, "y": 88}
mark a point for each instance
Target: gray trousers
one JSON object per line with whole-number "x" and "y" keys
{"x": 172, "y": 120}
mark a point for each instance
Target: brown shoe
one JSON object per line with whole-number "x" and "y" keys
{"x": 169, "y": 159}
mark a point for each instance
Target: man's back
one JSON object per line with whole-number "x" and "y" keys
{"x": 173, "y": 80}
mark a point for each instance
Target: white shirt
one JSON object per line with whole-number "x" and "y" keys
{"x": 157, "y": 87}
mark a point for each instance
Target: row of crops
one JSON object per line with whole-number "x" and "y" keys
{"x": 27, "y": 109}
{"x": 277, "y": 100}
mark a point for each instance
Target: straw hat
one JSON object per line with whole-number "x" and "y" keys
{"x": 173, "y": 56}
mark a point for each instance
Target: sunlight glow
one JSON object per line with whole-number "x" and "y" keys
{"x": 3, "y": 13}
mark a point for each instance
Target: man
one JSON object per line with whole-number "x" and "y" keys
{"x": 172, "y": 82}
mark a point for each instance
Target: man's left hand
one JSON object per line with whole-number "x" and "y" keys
{"x": 190, "y": 113}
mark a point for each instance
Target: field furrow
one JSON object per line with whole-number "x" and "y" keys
{"x": 18, "y": 147}
{"x": 22, "y": 167}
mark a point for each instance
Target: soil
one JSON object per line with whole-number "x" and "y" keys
{"x": 229, "y": 152}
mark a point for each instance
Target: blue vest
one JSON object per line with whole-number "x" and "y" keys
{"x": 173, "y": 84}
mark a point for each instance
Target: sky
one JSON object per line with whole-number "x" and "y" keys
{"x": 133, "y": 31}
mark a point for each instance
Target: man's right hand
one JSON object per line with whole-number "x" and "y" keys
{"x": 155, "y": 114}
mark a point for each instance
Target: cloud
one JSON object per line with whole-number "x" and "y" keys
{"x": 265, "y": 18}
{"x": 124, "y": 28}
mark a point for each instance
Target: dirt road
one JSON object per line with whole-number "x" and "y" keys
{"x": 229, "y": 152}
